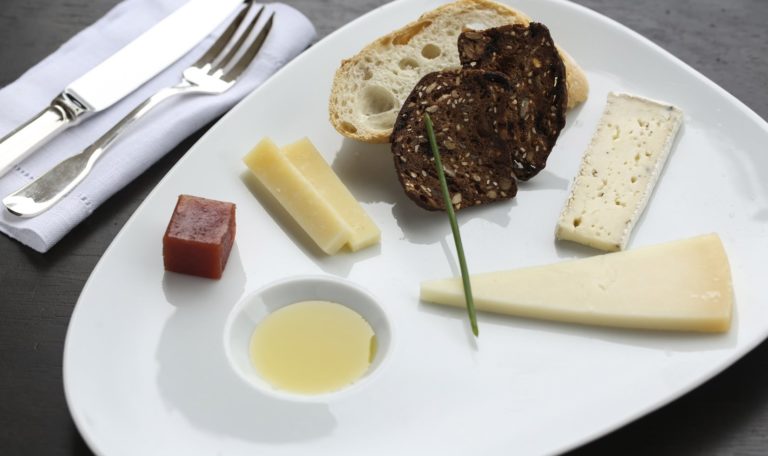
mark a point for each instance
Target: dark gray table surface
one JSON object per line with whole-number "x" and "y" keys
{"x": 726, "y": 40}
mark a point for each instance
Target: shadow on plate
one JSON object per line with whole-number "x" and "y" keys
{"x": 545, "y": 180}
{"x": 569, "y": 250}
{"x": 746, "y": 167}
{"x": 666, "y": 341}
{"x": 197, "y": 381}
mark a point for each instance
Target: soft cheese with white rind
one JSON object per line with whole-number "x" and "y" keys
{"x": 682, "y": 286}
{"x": 293, "y": 191}
{"x": 307, "y": 160}
{"x": 619, "y": 171}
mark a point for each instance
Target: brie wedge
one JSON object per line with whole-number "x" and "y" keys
{"x": 618, "y": 171}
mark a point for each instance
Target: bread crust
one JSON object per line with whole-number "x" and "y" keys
{"x": 352, "y": 74}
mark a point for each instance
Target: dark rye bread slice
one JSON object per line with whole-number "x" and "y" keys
{"x": 470, "y": 119}
{"x": 529, "y": 57}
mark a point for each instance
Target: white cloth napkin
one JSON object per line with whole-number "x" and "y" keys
{"x": 147, "y": 140}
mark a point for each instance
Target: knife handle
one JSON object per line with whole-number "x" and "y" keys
{"x": 63, "y": 112}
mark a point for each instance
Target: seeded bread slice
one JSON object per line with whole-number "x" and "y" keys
{"x": 468, "y": 110}
{"x": 529, "y": 57}
{"x": 369, "y": 89}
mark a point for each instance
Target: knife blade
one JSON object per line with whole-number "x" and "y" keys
{"x": 117, "y": 76}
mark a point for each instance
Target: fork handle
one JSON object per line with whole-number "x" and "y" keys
{"x": 63, "y": 112}
{"x": 106, "y": 140}
{"x": 48, "y": 189}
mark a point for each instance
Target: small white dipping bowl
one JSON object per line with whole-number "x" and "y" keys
{"x": 254, "y": 307}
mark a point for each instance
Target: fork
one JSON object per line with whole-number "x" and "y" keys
{"x": 213, "y": 73}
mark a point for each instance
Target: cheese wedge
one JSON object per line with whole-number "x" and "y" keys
{"x": 307, "y": 160}
{"x": 618, "y": 171}
{"x": 683, "y": 286}
{"x": 316, "y": 216}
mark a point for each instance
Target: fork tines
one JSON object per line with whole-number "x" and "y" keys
{"x": 220, "y": 59}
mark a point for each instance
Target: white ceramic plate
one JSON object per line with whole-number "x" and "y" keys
{"x": 144, "y": 364}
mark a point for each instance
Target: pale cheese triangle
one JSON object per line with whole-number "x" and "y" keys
{"x": 682, "y": 285}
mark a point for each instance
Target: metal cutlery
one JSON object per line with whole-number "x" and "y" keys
{"x": 117, "y": 76}
{"x": 214, "y": 73}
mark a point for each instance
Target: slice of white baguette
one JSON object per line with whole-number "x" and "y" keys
{"x": 370, "y": 87}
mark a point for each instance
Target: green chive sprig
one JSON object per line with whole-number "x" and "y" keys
{"x": 454, "y": 225}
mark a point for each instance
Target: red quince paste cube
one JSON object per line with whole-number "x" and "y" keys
{"x": 199, "y": 237}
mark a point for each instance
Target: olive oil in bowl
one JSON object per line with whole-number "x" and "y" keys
{"x": 309, "y": 338}
{"x": 312, "y": 347}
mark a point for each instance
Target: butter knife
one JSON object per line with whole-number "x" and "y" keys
{"x": 117, "y": 76}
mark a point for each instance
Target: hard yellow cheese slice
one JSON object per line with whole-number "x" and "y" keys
{"x": 683, "y": 285}
{"x": 316, "y": 216}
{"x": 304, "y": 156}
